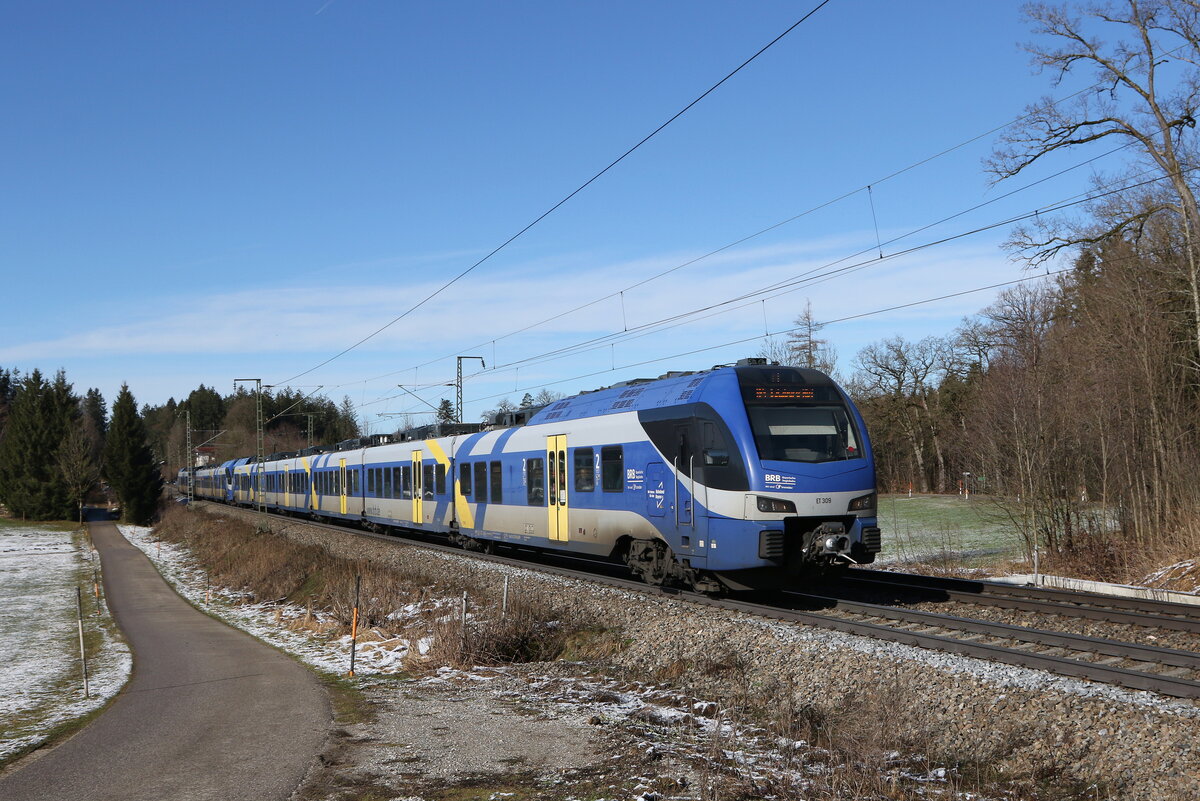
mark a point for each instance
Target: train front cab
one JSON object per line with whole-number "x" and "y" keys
{"x": 795, "y": 488}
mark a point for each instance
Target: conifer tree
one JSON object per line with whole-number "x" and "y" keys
{"x": 8, "y": 387}
{"x": 95, "y": 422}
{"x": 31, "y": 485}
{"x": 129, "y": 463}
{"x": 96, "y": 410}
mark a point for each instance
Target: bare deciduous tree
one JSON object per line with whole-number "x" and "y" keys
{"x": 1146, "y": 95}
{"x": 78, "y": 465}
{"x": 806, "y": 348}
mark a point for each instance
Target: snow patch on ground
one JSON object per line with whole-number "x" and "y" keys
{"x": 270, "y": 621}
{"x": 1180, "y": 577}
{"x": 41, "y": 679}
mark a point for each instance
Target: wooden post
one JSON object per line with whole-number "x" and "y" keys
{"x": 82, "y": 653}
{"x": 354, "y": 624}
{"x": 462, "y": 637}
{"x": 504, "y": 602}
{"x": 96, "y": 589}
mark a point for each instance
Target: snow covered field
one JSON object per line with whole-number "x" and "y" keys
{"x": 41, "y": 683}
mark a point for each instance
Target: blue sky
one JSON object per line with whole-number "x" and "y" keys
{"x": 195, "y": 192}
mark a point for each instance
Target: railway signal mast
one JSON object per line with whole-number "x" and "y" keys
{"x": 260, "y": 451}
{"x": 458, "y": 385}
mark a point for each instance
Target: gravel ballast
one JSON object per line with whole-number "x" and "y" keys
{"x": 1128, "y": 744}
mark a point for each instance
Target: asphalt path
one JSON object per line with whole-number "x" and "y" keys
{"x": 210, "y": 712}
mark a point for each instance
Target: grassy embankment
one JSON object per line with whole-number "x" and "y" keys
{"x": 857, "y": 737}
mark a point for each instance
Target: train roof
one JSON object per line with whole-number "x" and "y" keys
{"x": 670, "y": 389}
{"x": 674, "y": 389}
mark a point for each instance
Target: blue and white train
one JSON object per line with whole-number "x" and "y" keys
{"x": 740, "y": 476}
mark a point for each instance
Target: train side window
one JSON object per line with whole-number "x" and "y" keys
{"x": 497, "y": 482}
{"x": 440, "y": 472}
{"x": 481, "y": 493}
{"x": 535, "y": 478}
{"x": 355, "y": 482}
{"x": 683, "y": 448}
{"x": 585, "y": 470}
{"x": 427, "y": 481}
{"x": 612, "y": 468}
{"x": 406, "y": 482}
{"x": 387, "y": 483}
{"x": 464, "y": 480}
{"x": 371, "y": 481}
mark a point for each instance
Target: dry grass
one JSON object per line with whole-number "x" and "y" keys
{"x": 268, "y": 567}
{"x": 524, "y": 633}
{"x": 884, "y": 742}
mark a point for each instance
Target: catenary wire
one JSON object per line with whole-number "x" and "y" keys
{"x": 751, "y": 298}
{"x": 553, "y": 208}
{"x": 800, "y": 281}
{"x": 825, "y": 204}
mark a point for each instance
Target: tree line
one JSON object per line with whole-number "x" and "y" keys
{"x": 226, "y": 426}
{"x": 55, "y": 446}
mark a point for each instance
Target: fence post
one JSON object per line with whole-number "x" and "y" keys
{"x": 82, "y": 653}
{"x": 462, "y": 637}
{"x": 96, "y": 589}
{"x": 504, "y": 602}
{"x": 354, "y": 624}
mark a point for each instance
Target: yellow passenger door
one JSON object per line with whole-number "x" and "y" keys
{"x": 342, "y": 484}
{"x": 556, "y": 476}
{"x": 418, "y": 491}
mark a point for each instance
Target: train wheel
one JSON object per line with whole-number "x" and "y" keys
{"x": 650, "y": 560}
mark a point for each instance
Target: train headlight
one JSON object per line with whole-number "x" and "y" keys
{"x": 775, "y": 505}
{"x": 862, "y": 503}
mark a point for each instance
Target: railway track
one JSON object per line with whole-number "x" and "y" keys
{"x": 1068, "y": 603}
{"x": 1166, "y": 671}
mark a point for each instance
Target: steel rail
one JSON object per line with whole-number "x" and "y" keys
{"x": 1085, "y": 608}
{"x": 1152, "y": 605}
{"x": 1124, "y": 677}
{"x": 1054, "y": 639}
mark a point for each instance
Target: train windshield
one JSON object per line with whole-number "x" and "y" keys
{"x": 803, "y": 433}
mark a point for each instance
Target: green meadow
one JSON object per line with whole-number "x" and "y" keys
{"x": 973, "y": 532}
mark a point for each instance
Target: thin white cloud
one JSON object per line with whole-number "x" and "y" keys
{"x": 324, "y": 319}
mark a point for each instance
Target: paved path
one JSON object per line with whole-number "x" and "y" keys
{"x": 210, "y": 712}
